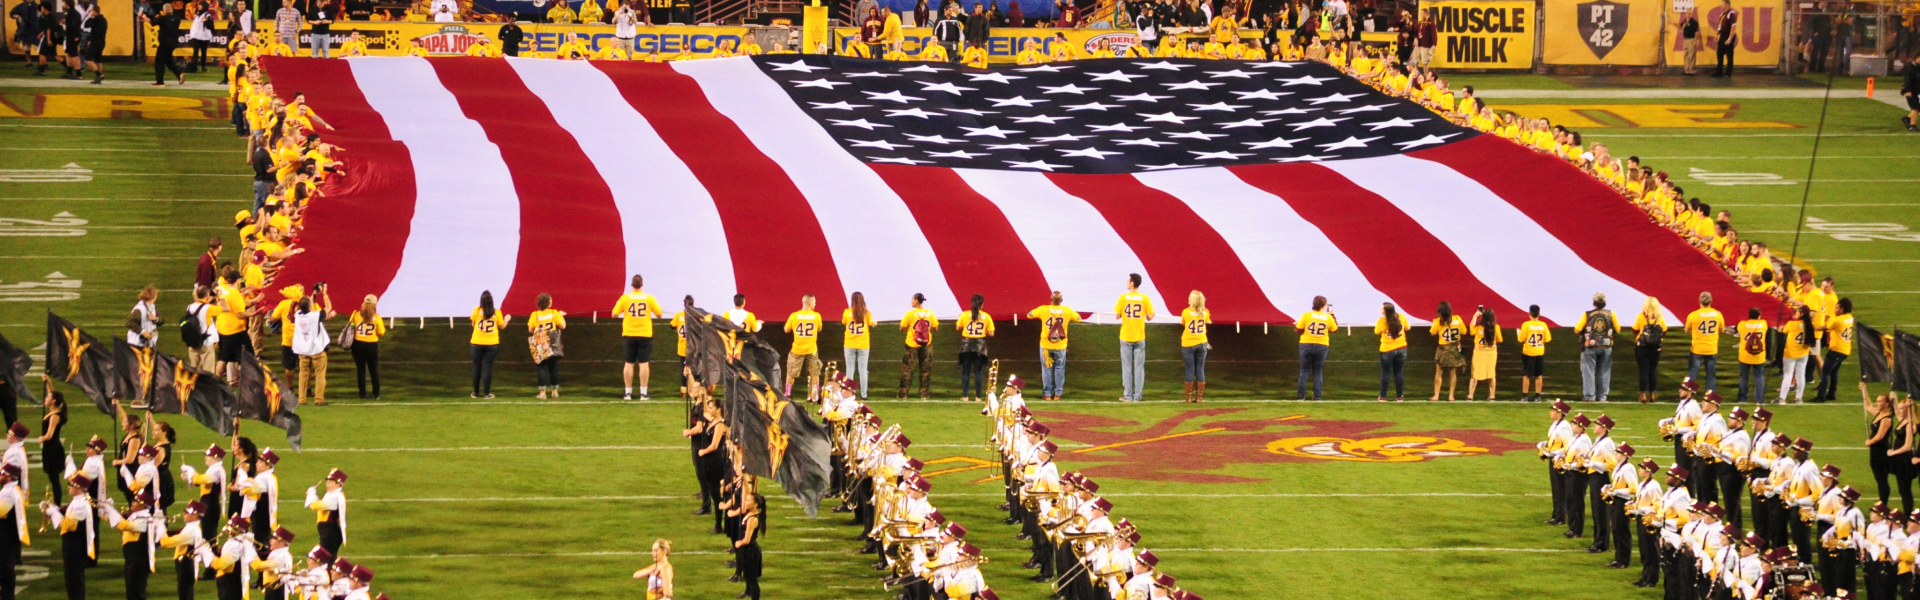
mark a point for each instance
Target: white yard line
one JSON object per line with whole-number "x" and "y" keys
{"x": 1736, "y": 135}
{"x": 60, "y": 199}
{"x": 228, "y": 129}
{"x": 151, "y": 150}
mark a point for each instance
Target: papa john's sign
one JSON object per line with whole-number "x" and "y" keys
{"x": 1483, "y": 35}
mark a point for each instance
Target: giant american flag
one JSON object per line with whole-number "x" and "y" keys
{"x": 1262, "y": 184}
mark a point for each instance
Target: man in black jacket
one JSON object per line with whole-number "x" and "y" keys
{"x": 977, "y": 28}
{"x": 1910, "y": 87}
{"x": 167, "y": 36}
{"x": 95, "y": 43}
{"x": 1723, "y": 52}
{"x": 510, "y": 36}
{"x": 948, "y": 31}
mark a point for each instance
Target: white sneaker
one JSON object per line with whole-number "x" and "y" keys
{"x": 629, "y": 396}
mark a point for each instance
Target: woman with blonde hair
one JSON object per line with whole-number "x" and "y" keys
{"x": 367, "y": 330}
{"x": 1193, "y": 344}
{"x": 1648, "y": 328}
{"x": 659, "y": 575}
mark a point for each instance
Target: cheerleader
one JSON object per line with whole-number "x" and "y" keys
{"x": 659, "y": 575}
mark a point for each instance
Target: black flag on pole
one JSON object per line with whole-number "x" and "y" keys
{"x": 133, "y": 373}
{"x": 182, "y": 389}
{"x": 1875, "y": 350}
{"x": 260, "y": 395}
{"x": 14, "y": 364}
{"x": 776, "y": 437}
{"x": 79, "y": 359}
{"x": 1906, "y": 362}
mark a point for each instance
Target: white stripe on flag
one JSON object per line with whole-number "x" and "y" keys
{"x": 1080, "y": 254}
{"x": 876, "y": 242}
{"x": 1289, "y": 257}
{"x": 465, "y": 234}
{"x": 669, "y": 221}
{"x": 1505, "y": 248}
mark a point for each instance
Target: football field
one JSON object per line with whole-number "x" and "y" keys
{"x": 1249, "y": 495}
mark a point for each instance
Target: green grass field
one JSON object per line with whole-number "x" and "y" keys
{"x": 517, "y": 498}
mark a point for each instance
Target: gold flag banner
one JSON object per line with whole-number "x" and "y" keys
{"x": 1603, "y": 32}
{"x": 1758, "y": 34}
{"x": 1483, "y": 35}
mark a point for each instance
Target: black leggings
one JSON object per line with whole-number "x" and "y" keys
{"x": 366, "y": 363}
{"x": 1903, "y": 472}
{"x": 547, "y": 373}
{"x": 163, "y": 62}
{"x": 1830, "y": 376}
{"x": 483, "y": 368}
{"x": 973, "y": 374}
{"x": 199, "y": 54}
{"x": 1649, "y": 361}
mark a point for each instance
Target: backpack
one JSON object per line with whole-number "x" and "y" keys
{"x": 922, "y": 332}
{"x": 1651, "y": 335}
{"x": 191, "y": 333}
{"x": 1599, "y": 331}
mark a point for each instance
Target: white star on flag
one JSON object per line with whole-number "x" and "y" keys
{"x": 1394, "y": 122}
{"x": 956, "y": 154}
{"x": 872, "y": 74}
{"x": 1150, "y": 142}
{"x": 1116, "y": 76}
{"x": 1048, "y": 119}
{"x": 1304, "y": 80}
{"x": 1064, "y": 137}
{"x": 1222, "y": 155}
{"x": 1093, "y": 153}
{"x": 1350, "y": 142}
{"x": 1279, "y": 142}
{"x": 993, "y": 77}
{"x": 933, "y": 139}
{"x": 1164, "y": 66}
{"x": 881, "y": 144}
{"x": 1320, "y": 122}
{"x": 1334, "y": 98}
{"x": 1068, "y": 89}
{"x": 1167, "y": 117}
{"x": 1043, "y": 69}
{"x": 1096, "y": 105}
{"x": 1425, "y": 141}
{"x": 1195, "y": 135}
{"x": 1234, "y": 73}
{"x": 992, "y": 131}
{"x": 821, "y": 83}
{"x": 923, "y": 69}
{"x": 1220, "y": 106}
{"x": 1117, "y": 128}
{"x": 1141, "y": 97}
{"x": 969, "y": 111}
{"x": 947, "y": 87}
{"x": 912, "y": 112}
{"x": 1250, "y": 122}
{"x": 1014, "y": 101}
{"x": 1011, "y": 146}
{"x": 1274, "y": 64}
{"x": 1261, "y": 94}
{"x": 841, "y": 105}
{"x": 1032, "y": 164}
{"x": 1361, "y": 109}
{"x": 796, "y": 66}
{"x": 1165, "y": 167}
{"x": 861, "y": 123}
{"x": 1193, "y": 85}
{"x": 903, "y": 161}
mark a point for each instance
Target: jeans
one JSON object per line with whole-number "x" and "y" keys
{"x": 1195, "y": 359}
{"x": 483, "y": 368}
{"x": 1133, "y": 369}
{"x": 1648, "y": 357}
{"x": 1053, "y": 372}
{"x": 973, "y": 375}
{"x": 1793, "y": 377}
{"x": 260, "y": 191}
{"x": 366, "y": 362}
{"x": 1596, "y": 373}
{"x": 1759, "y": 374}
{"x": 1313, "y": 365}
{"x": 321, "y": 44}
{"x": 857, "y": 367}
{"x": 1829, "y": 376}
{"x": 547, "y": 373}
{"x": 1394, "y": 363}
{"x": 1710, "y": 362}
{"x": 239, "y": 119}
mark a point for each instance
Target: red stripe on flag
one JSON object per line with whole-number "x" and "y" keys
{"x": 355, "y": 234}
{"x": 570, "y": 238}
{"x": 1605, "y": 229}
{"x": 979, "y": 251}
{"x": 1398, "y": 256}
{"x": 779, "y": 251}
{"x": 1179, "y": 249}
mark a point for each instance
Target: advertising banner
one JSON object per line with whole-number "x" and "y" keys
{"x": 1004, "y": 43}
{"x": 394, "y": 38}
{"x": 1483, "y": 35}
{"x": 1603, "y": 32}
{"x": 1759, "y": 33}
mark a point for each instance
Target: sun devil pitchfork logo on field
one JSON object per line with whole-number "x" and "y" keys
{"x": 1602, "y": 25}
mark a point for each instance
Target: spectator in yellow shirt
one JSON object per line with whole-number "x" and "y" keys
{"x": 1839, "y": 347}
{"x": 485, "y": 342}
{"x": 1448, "y": 329}
{"x": 367, "y": 331}
{"x": 974, "y": 56}
{"x": 1316, "y": 331}
{"x": 545, "y": 325}
{"x": 1533, "y": 336}
{"x": 1751, "y": 337}
{"x": 1486, "y": 351}
{"x": 1392, "y": 329}
{"x": 919, "y": 325}
{"x": 858, "y": 343}
{"x": 637, "y": 310}
{"x": 804, "y": 357}
{"x": 1054, "y": 320}
{"x": 1134, "y": 309}
{"x": 890, "y": 30}
{"x": 975, "y": 327}
{"x": 1797, "y": 343}
{"x": 1704, "y": 326}
{"x": 1193, "y": 344}
{"x": 234, "y": 311}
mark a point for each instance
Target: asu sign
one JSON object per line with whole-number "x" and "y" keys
{"x": 1602, "y": 32}
{"x": 1483, "y": 35}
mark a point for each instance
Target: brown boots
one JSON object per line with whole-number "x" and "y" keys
{"x": 1196, "y": 391}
